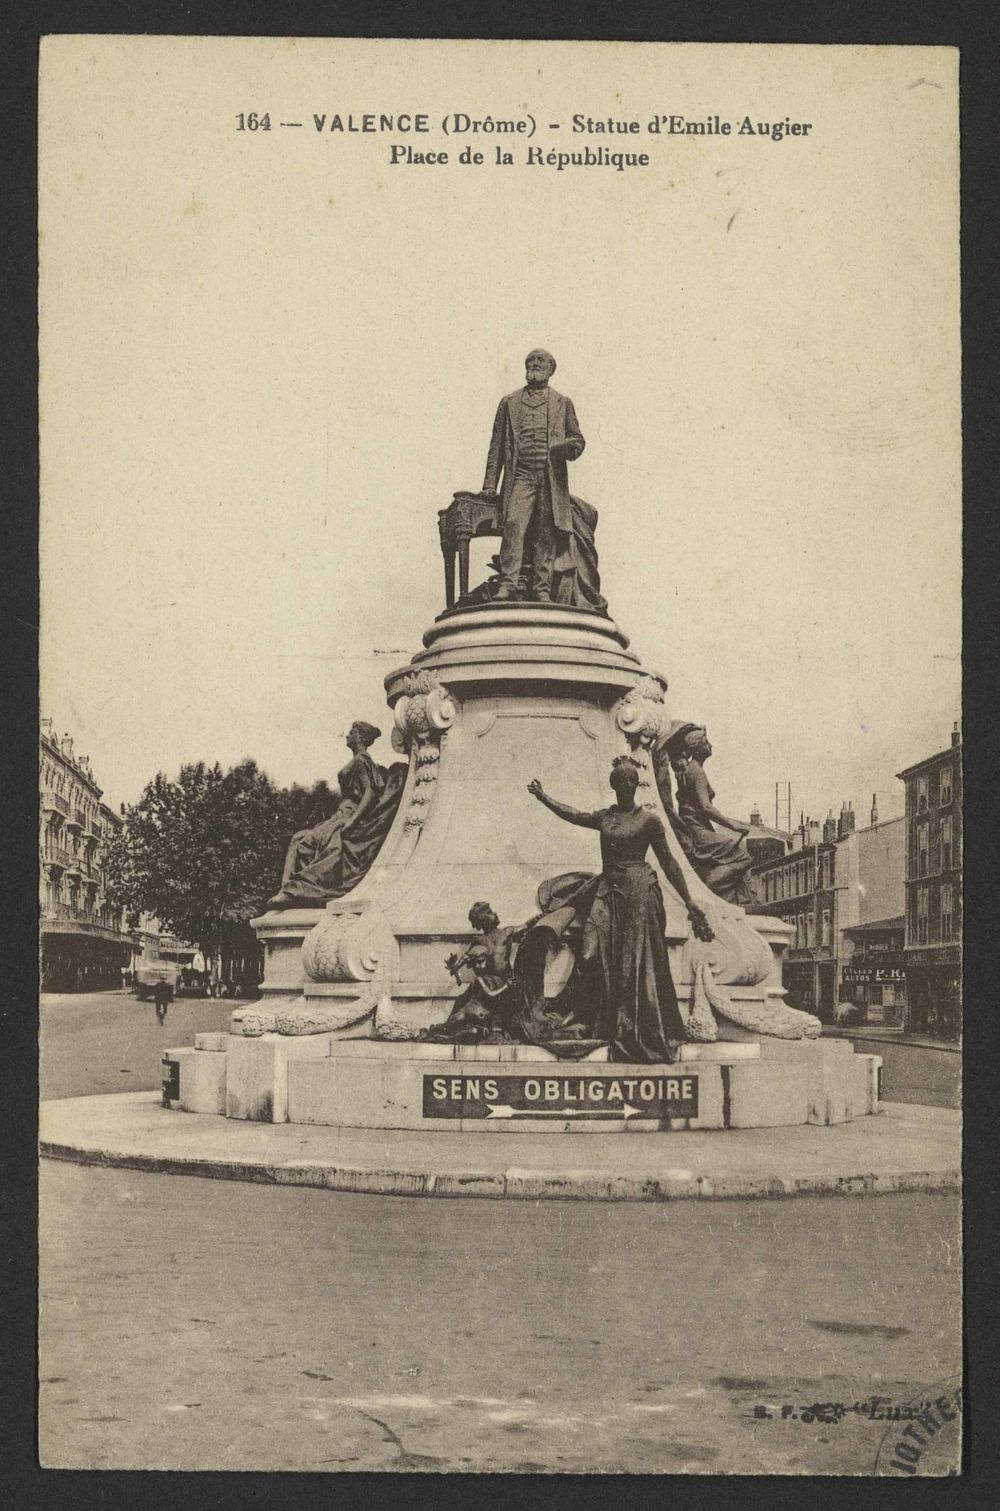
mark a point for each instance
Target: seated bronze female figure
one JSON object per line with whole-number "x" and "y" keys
{"x": 330, "y": 859}
{"x": 722, "y": 861}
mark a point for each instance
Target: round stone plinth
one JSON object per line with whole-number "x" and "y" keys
{"x": 906, "y": 1148}
{"x": 338, "y": 1081}
{"x": 506, "y": 643}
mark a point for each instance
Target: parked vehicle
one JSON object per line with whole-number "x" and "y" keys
{"x": 193, "y": 983}
{"x": 149, "y": 972}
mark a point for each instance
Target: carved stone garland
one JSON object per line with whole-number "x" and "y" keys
{"x": 421, "y": 719}
{"x": 641, "y": 716}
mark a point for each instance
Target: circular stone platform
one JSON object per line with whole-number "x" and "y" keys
{"x": 903, "y": 1148}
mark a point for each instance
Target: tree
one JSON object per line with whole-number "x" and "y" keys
{"x": 203, "y": 852}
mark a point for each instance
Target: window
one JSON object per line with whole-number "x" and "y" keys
{"x": 946, "y": 793}
{"x": 947, "y": 914}
{"x": 825, "y": 939}
{"x": 922, "y": 896}
{"x": 946, "y": 843}
{"x": 800, "y": 932}
{"x": 921, "y": 794}
{"x": 921, "y": 849}
{"x": 810, "y": 929}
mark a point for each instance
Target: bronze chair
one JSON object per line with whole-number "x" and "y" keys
{"x": 468, "y": 515}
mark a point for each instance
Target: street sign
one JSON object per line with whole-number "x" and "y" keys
{"x": 609, "y": 1097}
{"x": 171, "y": 1069}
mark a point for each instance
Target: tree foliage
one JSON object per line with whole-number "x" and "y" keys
{"x": 204, "y": 851}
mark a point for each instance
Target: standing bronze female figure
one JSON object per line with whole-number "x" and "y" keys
{"x": 625, "y": 930}
{"x": 722, "y": 861}
{"x": 329, "y": 860}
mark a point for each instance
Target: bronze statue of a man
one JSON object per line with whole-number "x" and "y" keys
{"x": 534, "y": 435}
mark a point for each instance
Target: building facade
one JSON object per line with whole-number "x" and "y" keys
{"x": 83, "y": 944}
{"x": 873, "y": 976}
{"x": 765, "y": 844}
{"x": 933, "y": 909}
{"x": 835, "y": 878}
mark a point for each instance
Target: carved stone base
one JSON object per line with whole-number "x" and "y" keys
{"x": 497, "y": 696}
{"x": 365, "y": 1083}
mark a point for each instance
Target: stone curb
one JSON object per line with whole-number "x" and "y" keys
{"x": 515, "y": 1184}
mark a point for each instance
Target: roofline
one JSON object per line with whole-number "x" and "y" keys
{"x": 928, "y": 761}
{"x": 883, "y": 823}
{"x": 72, "y": 762}
{"x": 898, "y": 921}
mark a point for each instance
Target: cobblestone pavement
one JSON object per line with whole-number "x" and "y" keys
{"x": 95, "y": 1042}
{"x": 915, "y": 1072}
{"x": 190, "y": 1323}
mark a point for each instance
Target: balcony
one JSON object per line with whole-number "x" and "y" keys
{"x": 53, "y": 803}
{"x": 69, "y": 910}
{"x": 81, "y": 919}
{"x": 56, "y": 855}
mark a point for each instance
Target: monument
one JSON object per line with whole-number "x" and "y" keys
{"x": 628, "y": 988}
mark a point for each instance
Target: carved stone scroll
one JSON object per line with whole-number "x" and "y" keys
{"x": 421, "y": 719}
{"x": 764, "y": 1015}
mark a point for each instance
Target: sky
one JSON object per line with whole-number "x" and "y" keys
{"x": 268, "y": 359}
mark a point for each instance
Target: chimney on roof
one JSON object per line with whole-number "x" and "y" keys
{"x": 874, "y": 818}
{"x": 66, "y": 746}
{"x": 956, "y": 735}
{"x": 829, "y": 829}
{"x": 756, "y": 822}
{"x": 845, "y": 824}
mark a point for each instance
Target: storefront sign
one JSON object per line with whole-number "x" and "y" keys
{"x": 948, "y": 954}
{"x": 610, "y": 1097}
{"x": 860, "y": 974}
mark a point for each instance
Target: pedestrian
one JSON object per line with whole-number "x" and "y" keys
{"x": 161, "y": 998}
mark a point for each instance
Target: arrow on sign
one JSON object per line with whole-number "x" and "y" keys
{"x": 502, "y": 1110}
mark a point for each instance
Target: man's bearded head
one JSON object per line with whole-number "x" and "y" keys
{"x": 539, "y": 366}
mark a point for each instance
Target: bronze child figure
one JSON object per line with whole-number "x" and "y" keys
{"x": 483, "y": 1012}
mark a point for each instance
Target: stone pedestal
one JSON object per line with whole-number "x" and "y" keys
{"x": 257, "y": 1073}
{"x": 521, "y": 1088}
{"x": 368, "y": 1085}
{"x": 499, "y": 695}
